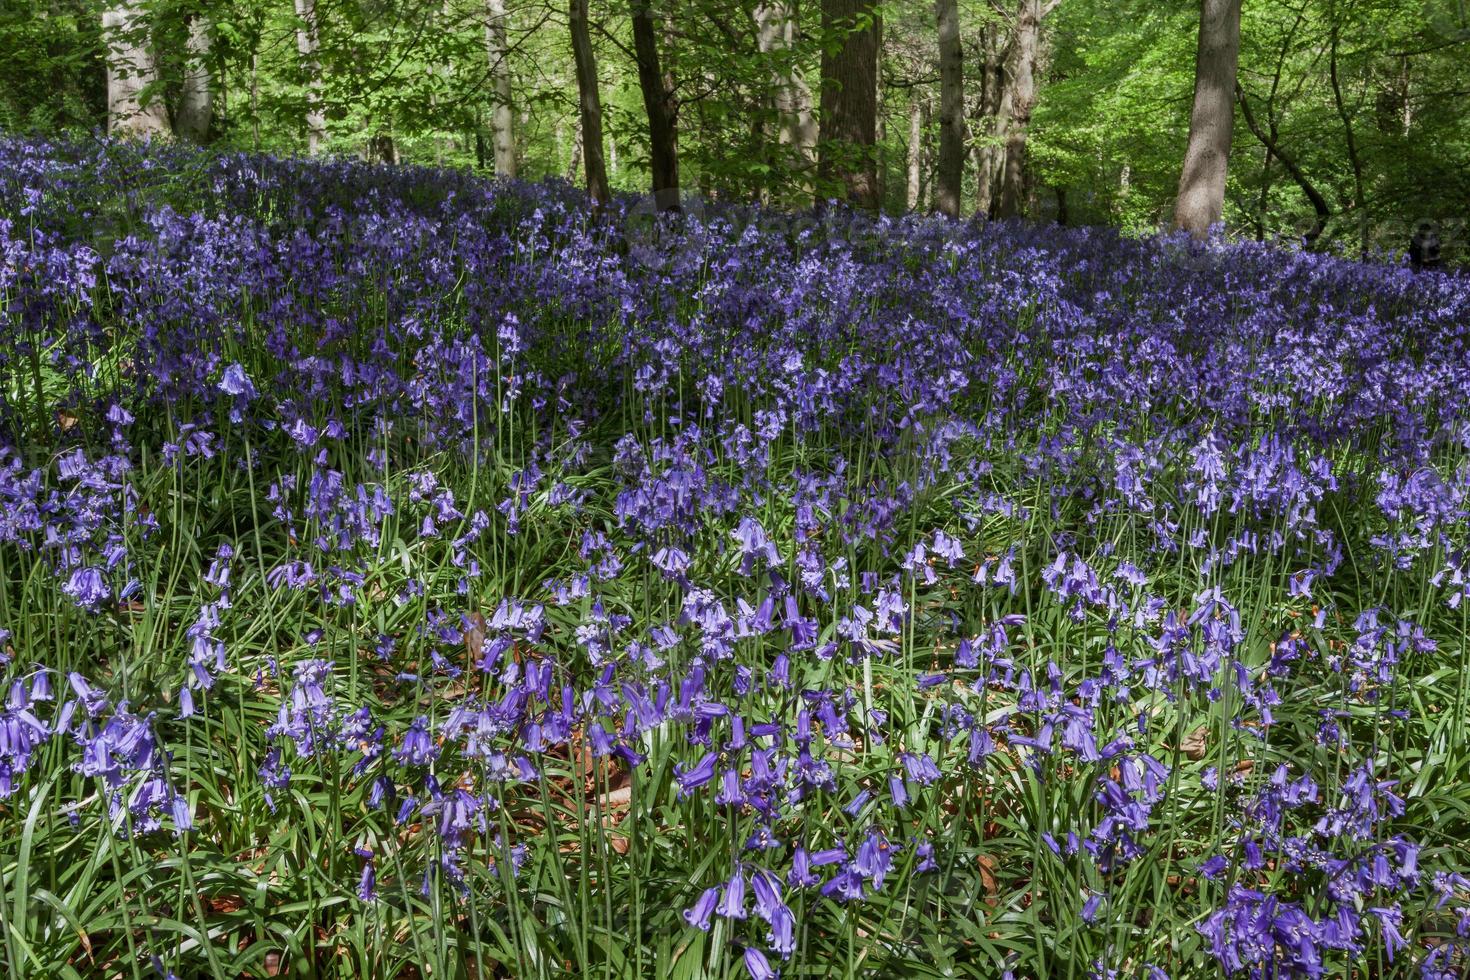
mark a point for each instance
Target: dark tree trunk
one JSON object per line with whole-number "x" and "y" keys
{"x": 1201, "y": 201}
{"x": 849, "y": 123}
{"x": 951, "y": 168}
{"x": 589, "y": 103}
{"x": 658, "y": 102}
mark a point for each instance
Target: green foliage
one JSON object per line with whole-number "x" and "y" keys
{"x": 52, "y": 67}
{"x": 408, "y": 80}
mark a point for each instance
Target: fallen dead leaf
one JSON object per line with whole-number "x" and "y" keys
{"x": 1196, "y": 743}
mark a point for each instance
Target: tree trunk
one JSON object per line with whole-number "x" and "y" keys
{"x": 589, "y": 103}
{"x": 1201, "y": 201}
{"x": 196, "y": 103}
{"x": 663, "y": 136}
{"x": 1025, "y": 48}
{"x": 851, "y": 29}
{"x": 255, "y": 100}
{"x": 993, "y": 113}
{"x": 1346, "y": 116}
{"x": 951, "y": 170}
{"x": 775, "y": 22}
{"x": 915, "y": 152}
{"x": 307, "y": 46}
{"x": 380, "y": 148}
{"x": 1408, "y": 107}
{"x": 1263, "y": 199}
{"x": 502, "y": 116}
{"x": 880, "y": 131}
{"x": 130, "y": 67}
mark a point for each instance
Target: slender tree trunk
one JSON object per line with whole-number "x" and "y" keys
{"x": 915, "y": 152}
{"x": 1201, "y": 201}
{"x": 131, "y": 67}
{"x": 502, "y": 116}
{"x": 880, "y": 131}
{"x": 951, "y": 171}
{"x": 663, "y": 137}
{"x": 1350, "y": 136}
{"x": 992, "y": 117}
{"x": 775, "y": 22}
{"x": 1026, "y": 52}
{"x": 1263, "y": 200}
{"x": 196, "y": 101}
{"x": 255, "y": 99}
{"x": 574, "y": 165}
{"x": 381, "y": 148}
{"x": 849, "y": 122}
{"x": 308, "y": 45}
{"x": 1408, "y": 107}
{"x": 589, "y": 103}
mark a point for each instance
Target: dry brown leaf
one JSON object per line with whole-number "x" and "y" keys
{"x": 474, "y": 642}
{"x": 988, "y": 880}
{"x": 1196, "y": 743}
{"x": 223, "y": 904}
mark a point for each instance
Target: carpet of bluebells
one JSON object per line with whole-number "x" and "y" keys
{"x": 404, "y": 574}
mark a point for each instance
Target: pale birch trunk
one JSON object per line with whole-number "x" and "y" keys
{"x": 502, "y": 118}
{"x": 196, "y": 102}
{"x": 993, "y": 110}
{"x": 776, "y": 25}
{"x": 308, "y": 46}
{"x": 130, "y": 67}
{"x": 915, "y": 155}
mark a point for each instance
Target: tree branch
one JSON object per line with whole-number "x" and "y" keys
{"x": 1319, "y": 203}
